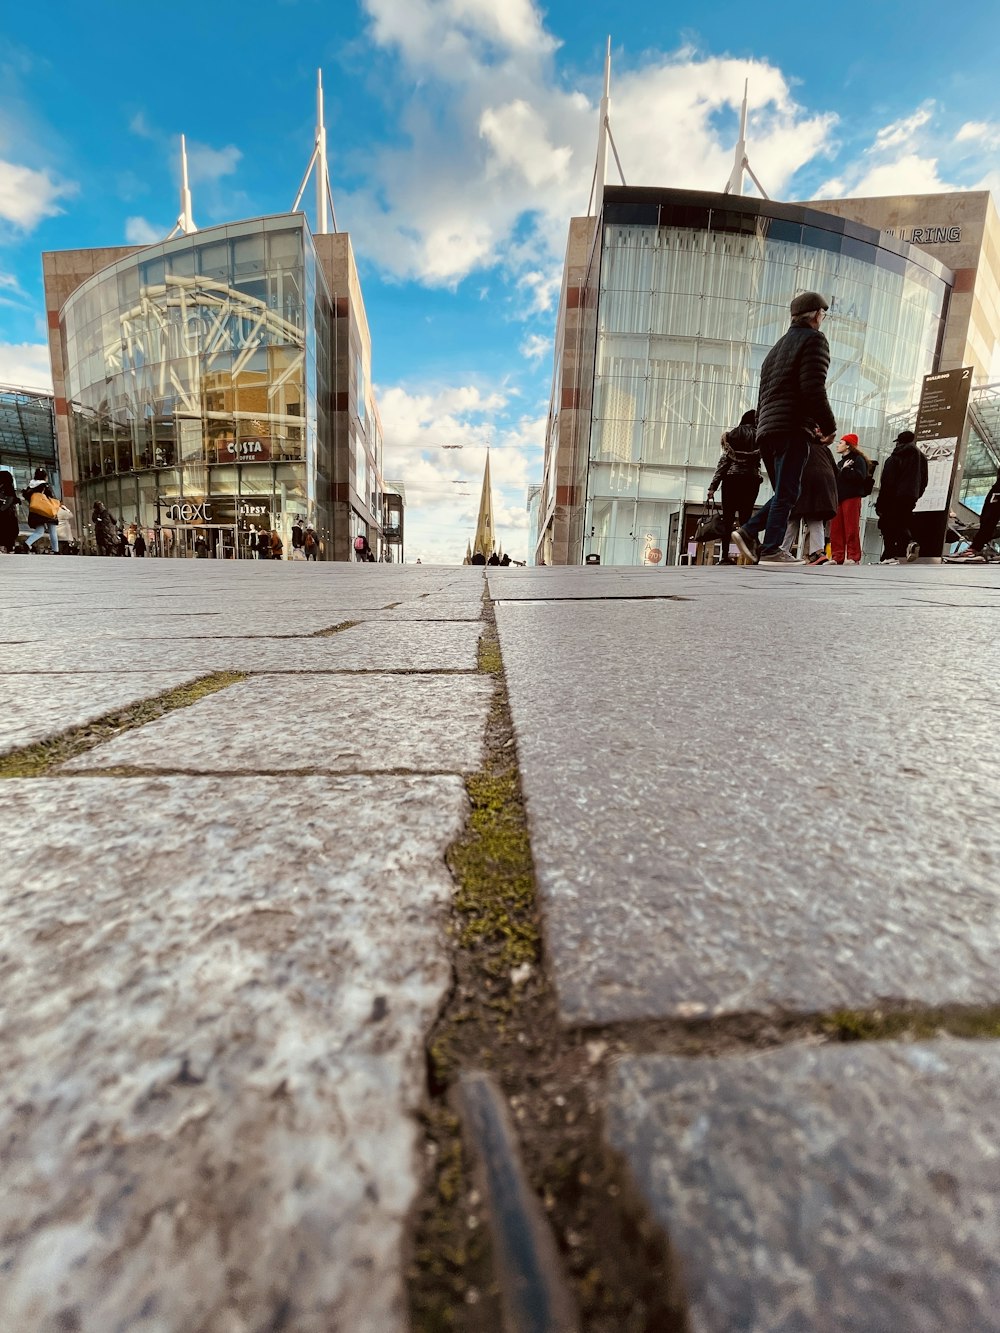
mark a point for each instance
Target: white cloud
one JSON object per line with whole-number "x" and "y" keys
{"x": 903, "y": 158}
{"x": 138, "y": 231}
{"x": 534, "y": 347}
{"x": 443, "y": 484}
{"x": 27, "y": 195}
{"x": 25, "y": 365}
{"x": 207, "y": 164}
{"x": 496, "y": 149}
{"x": 982, "y": 133}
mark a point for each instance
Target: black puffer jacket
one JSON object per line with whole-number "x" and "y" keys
{"x": 818, "y": 495}
{"x": 793, "y": 384}
{"x": 852, "y": 475}
{"x": 904, "y": 477}
{"x": 740, "y": 455}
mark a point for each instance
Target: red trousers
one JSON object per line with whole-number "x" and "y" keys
{"x": 845, "y": 531}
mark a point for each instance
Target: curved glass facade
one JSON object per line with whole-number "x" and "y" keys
{"x": 197, "y": 374}
{"x": 689, "y": 299}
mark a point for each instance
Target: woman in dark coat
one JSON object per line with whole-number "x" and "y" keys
{"x": 817, "y": 502}
{"x": 9, "y": 525}
{"x": 852, "y": 487}
{"x": 739, "y": 474}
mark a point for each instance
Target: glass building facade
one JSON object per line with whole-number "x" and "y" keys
{"x": 198, "y": 377}
{"x": 684, "y": 296}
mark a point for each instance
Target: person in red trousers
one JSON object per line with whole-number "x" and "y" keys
{"x": 852, "y": 487}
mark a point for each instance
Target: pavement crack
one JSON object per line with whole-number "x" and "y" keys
{"x": 42, "y": 758}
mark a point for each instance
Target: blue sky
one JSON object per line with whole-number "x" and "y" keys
{"x": 462, "y": 136}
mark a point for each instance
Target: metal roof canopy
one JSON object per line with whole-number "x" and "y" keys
{"x": 27, "y": 423}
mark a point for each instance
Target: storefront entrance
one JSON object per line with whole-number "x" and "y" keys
{"x": 183, "y": 542}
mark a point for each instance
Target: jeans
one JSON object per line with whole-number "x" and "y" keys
{"x": 739, "y": 495}
{"x": 53, "y": 533}
{"x": 784, "y": 458}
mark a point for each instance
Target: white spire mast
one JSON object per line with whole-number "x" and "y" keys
{"x": 604, "y": 137}
{"x": 741, "y": 163}
{"x": 318, "y": 160}
{"x": 185, "y": 222}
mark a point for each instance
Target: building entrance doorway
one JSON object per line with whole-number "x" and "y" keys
{"x": 185, "y": 542}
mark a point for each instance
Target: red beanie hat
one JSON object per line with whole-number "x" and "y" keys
{"x": 852, "y": 440}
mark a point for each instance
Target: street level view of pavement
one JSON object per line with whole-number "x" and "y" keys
{"x": 394, "y": 947}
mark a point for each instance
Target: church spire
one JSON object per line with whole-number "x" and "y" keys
{"x": 485, "y": 530}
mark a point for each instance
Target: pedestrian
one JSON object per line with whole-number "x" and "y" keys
{"x": 988, "y": 520}
{"x": 43, "y": 517}
{"x": 853, "y": 472}
{"x": 479, "y": 558}
{"x": 904, "y": 480}
{"x": 298, "y": 536}
{"x": 361, "y": 548}
{"x": 494, "y": 559}
{"x": 277, "y": 550}
{"x": 739, "y": 475}
{"x": 310, "y": 545}
{"x": 791, "y": 405}
{"x": 10, "y": 527}
{"x": 139, "y": 545}
{"x": 816, "y": 504}
{"x": 201, "y": 547}
{"x": 264, "y": 544}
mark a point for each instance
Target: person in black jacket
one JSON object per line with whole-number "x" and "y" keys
{"x": 852, "y": 486}
{"x": 791, "y": 406}
{"x": 904, "y": 480}
{"x": 988, "y": 521}
{"x": 9, "y": 504}
{"x": 739, "y": 474}
{"x": 39, "y": 485}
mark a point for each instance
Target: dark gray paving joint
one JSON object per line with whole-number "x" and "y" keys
{"x": 535, "y": 1294}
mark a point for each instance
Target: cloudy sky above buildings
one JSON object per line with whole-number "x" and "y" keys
{"x": 462, "y": 136}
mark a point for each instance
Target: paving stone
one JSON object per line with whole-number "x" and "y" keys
{"x": 215, "y": 999}
{"x": 768, "y": 806}
{"x": 839, "y": 1189}
{"x": 37, "y": 707}
{"x": 280, "y": 724}
{"x": 419, "y": 646}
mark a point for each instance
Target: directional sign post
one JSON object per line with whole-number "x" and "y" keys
{"x": 940, "y": 432}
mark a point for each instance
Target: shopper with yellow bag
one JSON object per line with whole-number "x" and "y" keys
{"x": 43, "y": 510}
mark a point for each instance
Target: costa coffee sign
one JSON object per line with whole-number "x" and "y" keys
{"x": 247, "y": 451}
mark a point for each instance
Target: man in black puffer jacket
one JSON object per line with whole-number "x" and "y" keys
{"x": 792, "y": 409}
{"x": 904, "y": 480}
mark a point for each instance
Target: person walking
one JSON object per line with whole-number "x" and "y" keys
{"x": 310, "y": 544}
{"x": 264, "y": 544}
{"x": 817, "y": 502}
{"x": 988, "y": 521}
{"x": 904, "y": 480}
{"x": 37, "y": 521}
{"x": 298, "y": 536}
{"x": 739, "y": 475}
{"x": 10, "y": 527}
{"x": 361, "y": 547}
{"x": 791, "y": 406}
{"x": 200, "y": 548}
{"x": 139, "y": 545}
{"x": 853, "y": 471}
{"x": 277, "y": 550}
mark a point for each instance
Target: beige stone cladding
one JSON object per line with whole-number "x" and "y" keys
{"x": 961, "y": 230}
{"x": 567, "y": 435}
{"x": 63, "y": 271}
{"x": 351, "y": 341}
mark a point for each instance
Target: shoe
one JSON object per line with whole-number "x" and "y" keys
{"x": 912, "y": 551}
{"x": 852, "y": 562}
{"x": 818, "y": 559}
{"x": 746, "y": 545}
{"x": 779, "y": 560}
{"x": 967, "y": 557}
{"x": 891, "y": 561}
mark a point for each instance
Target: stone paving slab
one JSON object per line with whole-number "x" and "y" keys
{"x": 209, "y": 988}
{"x": 420, "y": 646}
{"x": 280, "y": 724}
{"x": 40, "y": 706}
{"x": 710, "y": 841}
{"x": 839, "y": 1189}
